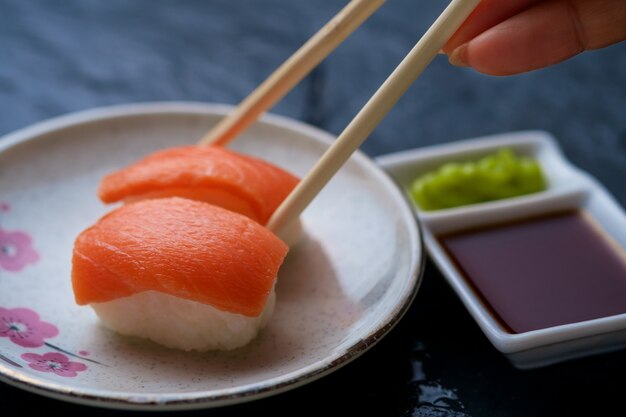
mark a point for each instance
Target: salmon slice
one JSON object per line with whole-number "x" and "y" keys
{"x": 216, "y": 175}
{"x": 188, "y": 249}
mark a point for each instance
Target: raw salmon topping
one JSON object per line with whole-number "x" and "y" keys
{"x": 216, "y": 175}
{"x": 185, "y": 248}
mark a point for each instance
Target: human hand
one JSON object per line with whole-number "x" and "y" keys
{"x": 505, "y": 37}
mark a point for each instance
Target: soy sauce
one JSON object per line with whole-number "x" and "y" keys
{"x": 543, "y": 272}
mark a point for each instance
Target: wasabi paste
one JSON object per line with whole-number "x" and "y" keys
{"x": 494, "y": 177}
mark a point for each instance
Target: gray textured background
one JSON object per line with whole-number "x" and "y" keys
{"x": 59, "y": 56}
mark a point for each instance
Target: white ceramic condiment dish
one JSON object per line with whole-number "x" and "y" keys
{"x": 568, "y": 188}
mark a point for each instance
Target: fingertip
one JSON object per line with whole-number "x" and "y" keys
{"x": 536, "y": 38}
{"x": 487, "y": 14}
{"x": 458, "y": 57}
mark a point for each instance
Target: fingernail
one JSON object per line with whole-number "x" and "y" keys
{"x": 458, "y": 57}
{"x": 441, "y": 52}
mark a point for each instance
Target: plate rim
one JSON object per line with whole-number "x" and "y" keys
{"x": 245, "y": 393}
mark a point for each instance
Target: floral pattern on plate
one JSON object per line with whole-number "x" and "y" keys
{"x": 16, "y": 247}
{"x": 16, "y": 250}
{"x": 54, "y": 362}
{"x": 23, "y": 327}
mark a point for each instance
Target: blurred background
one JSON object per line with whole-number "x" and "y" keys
{"x": 59, "y": 57}
{"x": 62, "y": 56}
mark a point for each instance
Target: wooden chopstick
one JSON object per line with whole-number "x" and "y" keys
{"x": 372, "y": 113}
{"x": 281, "y": 81}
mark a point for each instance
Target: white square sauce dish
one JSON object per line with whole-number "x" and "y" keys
{"x": 543, "y": 274}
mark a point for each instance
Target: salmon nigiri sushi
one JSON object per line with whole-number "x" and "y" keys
{"x": 234, "y": 181}
{"x": 183, "y": 273}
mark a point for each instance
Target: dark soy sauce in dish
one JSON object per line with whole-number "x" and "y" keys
{"x": 544, "y": 271}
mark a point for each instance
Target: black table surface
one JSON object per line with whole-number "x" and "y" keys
{"x": 62, "y": 56}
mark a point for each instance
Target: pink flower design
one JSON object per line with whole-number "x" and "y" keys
{"x": 23, "y": 327}
{"x": 16, "y": 250}
{"x": 54, "y": 362}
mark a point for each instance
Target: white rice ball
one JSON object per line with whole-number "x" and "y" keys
{"x": 179, "y": 323}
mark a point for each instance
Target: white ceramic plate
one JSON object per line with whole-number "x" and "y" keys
{"x": 568, "y": 188}
{"x": 340, "y": 290}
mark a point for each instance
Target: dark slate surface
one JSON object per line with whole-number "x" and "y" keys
{"x": 61, "y": 56}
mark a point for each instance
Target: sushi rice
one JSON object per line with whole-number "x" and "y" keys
{"x": 179, "y": 323}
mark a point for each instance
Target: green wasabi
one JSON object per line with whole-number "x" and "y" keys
{"x": 494, "y": 177}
